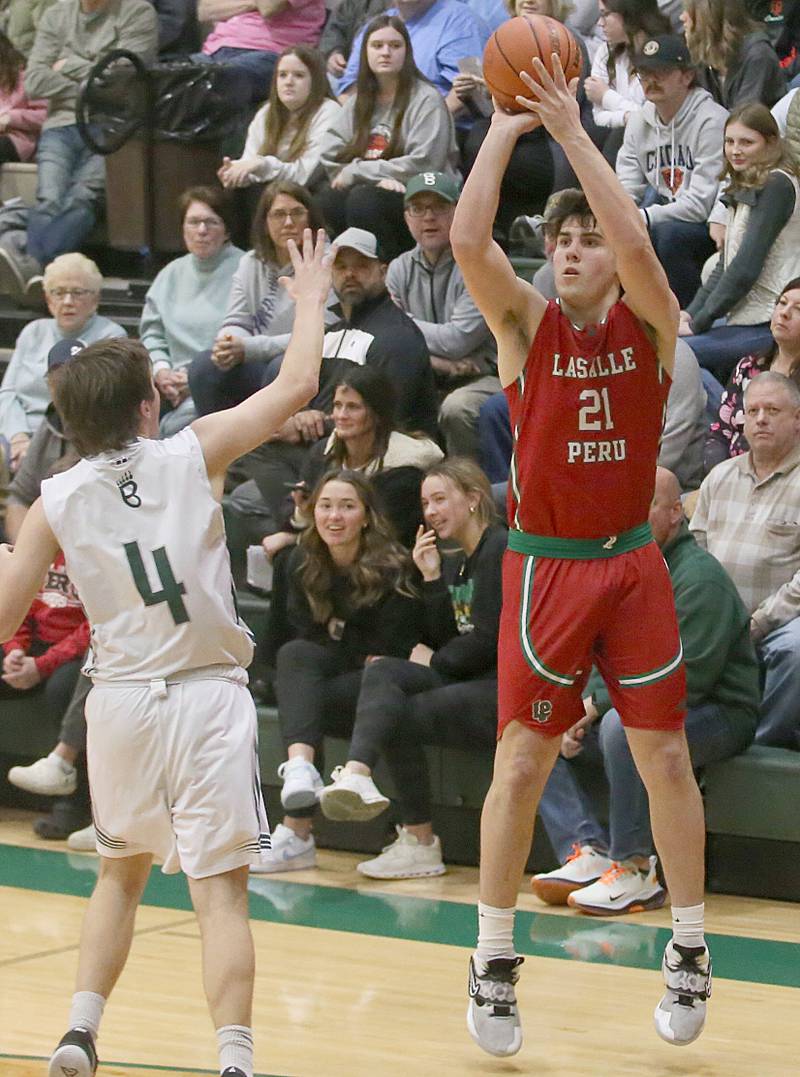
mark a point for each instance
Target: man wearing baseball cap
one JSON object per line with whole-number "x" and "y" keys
{"x": 371, "y": 330}
{"x": 427, "y": 284}
{"x": 671, "y": 158}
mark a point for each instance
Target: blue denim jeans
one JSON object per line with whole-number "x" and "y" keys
{"x": 682, "y": 248}
{"x": 722, "y": 346}
{"x": 253, "y": 68}
{"x": 494, "y": 437}
{"x": 780, "y": 707}
{"x": 70, "y": 186}
{"x": 213, "y": 389}
{"x": 568, "y": 814}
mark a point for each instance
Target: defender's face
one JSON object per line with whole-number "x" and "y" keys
{"x": 584, "y": 263}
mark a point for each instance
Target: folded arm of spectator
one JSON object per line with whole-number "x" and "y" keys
{"x": 776, "y": 610}
{"x": 220, "y": 10}
{"x": 68, "y": 649}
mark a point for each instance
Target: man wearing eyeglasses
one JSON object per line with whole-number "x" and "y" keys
{"x": 427, "y": 284}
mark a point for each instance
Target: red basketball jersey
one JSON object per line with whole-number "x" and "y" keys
{"x": 586, "y": 417}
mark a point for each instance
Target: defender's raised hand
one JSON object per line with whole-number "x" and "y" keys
{"x": 312, "y": 268}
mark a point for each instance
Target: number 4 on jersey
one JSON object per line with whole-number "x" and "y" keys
{"x": 171, "y": 591}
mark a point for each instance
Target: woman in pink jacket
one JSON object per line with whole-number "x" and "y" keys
{"x": 20, "y": 119}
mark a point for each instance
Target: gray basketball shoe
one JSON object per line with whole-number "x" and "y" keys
{"x": 492, "y": 1015}
{"x": 681, "y": 1013}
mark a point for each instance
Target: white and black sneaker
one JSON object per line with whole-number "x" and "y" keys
{"x": 75, "y": 1055}
{"x": 681, "y": 1014}
{"x": 492, "y": 1015}
{"x": 232, "y": 1071}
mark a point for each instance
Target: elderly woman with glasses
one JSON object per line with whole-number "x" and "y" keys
{"x": 184, "y": 306}
{"x": 72, "y": 286}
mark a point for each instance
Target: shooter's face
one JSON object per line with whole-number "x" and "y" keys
{"x": 584, "y": 264}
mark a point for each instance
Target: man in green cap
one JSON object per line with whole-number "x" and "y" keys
{"x": 427, "y": 284}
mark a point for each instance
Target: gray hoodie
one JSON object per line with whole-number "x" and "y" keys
{"x": 437, "y": 300}
{"x": 427, "y": 135}
{"x": 680, "y": 161}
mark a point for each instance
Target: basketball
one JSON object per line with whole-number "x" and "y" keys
{"x": 511, "y": 49}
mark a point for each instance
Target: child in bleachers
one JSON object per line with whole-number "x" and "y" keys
{"x": 45, "y": 655}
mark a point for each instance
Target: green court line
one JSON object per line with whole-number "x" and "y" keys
{"x": 449, "y": 923}
{"x": 133, "y": 1066}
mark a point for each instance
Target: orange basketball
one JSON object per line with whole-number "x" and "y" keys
{"x": 512, "y": 47}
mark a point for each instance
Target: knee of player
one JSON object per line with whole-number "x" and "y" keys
{"x": 666, "y": 762}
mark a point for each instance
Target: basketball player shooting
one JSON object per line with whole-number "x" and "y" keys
{"x": 587, "y": 379}
{"x": 171, "y": 751}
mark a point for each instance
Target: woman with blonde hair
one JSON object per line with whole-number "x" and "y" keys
{"x": 730, "y": 314}
{"x": 351, "y": 600}
{"x": 284, "y": 139}
{"x": 738, "y": 60}
{"x": 446, "y": 693}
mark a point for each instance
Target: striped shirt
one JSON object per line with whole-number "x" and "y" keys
{"x": 752, "y": 526}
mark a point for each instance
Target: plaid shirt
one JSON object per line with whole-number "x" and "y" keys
{"x": 752, "y": 526}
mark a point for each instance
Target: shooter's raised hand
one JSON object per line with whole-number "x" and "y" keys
{"x": 552, "y": 101}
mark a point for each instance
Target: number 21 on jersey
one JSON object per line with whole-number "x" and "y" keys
{"x": 596, "y": 412}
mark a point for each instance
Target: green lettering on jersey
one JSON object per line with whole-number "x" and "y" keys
{"x": 171, "y": 590}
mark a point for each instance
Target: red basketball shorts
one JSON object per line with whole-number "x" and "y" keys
{"x": 562, "y": 616}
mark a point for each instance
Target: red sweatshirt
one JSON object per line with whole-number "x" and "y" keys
{"x": 56, "y": 619}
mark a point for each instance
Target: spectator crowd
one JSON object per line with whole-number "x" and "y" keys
{"x": 377, "y": 504}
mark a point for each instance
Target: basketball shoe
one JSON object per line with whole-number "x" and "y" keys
{"x": 681, "y": 1013}
{"x": 287, "y": 852}
{"x": 232, "y": 1071}
{"x": 583, "y": 866}
{"x": 621, "y": 889}
{"x": 492, "y": 1015}
{"x": 75, "y": 1055}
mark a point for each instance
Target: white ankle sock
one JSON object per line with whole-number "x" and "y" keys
{"x": 235, "y": 1046}
{"x": 495, "y": 932}
{"x": 63, "y": 764}
{"x": 687, "y": 925}
{"x": 87, "y": 1011}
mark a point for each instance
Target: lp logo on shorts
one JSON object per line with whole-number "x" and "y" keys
{"x": 129, "y": 491}
{"x": 541, "y": 710}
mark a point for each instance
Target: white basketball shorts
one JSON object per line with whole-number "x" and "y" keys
{"x": 173, "y": 771}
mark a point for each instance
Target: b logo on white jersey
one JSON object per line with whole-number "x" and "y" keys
{"x": 129, "y": 491}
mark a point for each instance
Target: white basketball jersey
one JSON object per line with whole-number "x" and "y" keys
{"x": 144, "y": 545}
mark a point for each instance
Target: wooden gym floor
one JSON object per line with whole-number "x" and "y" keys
{"x": 368, "y": 979}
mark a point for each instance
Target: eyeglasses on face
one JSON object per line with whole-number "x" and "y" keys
{"x": 76, "y": 293}
{"x": 438, "y": 210}
{"x": 209, "y": 222}
{"x": 294, "y": 215}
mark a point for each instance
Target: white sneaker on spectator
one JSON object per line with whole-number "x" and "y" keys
{"x": 405, "y": 858}
{"x": 351, "y": 797}
{"x": 83, "y": 841}
{"x": 288, "y": 853}
{"x": 621, "y": 889}
{"x": 50, "y": 776}
{"x": 302, "y": 784}
{"x": 583, "y": 866}
{"x": 681, "y": 1013}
